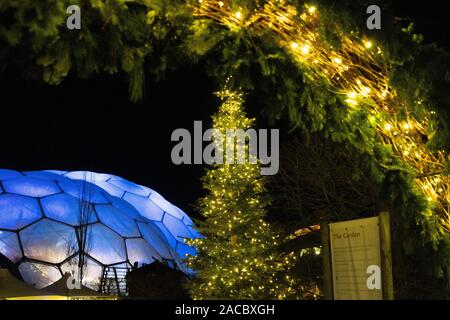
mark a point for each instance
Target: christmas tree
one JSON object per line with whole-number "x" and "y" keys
{"x": 237, "y": 257}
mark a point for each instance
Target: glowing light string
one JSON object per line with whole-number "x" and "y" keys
{"x": 352, "y": 71}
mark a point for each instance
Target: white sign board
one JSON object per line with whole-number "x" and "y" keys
{"x": 356, "y": 259}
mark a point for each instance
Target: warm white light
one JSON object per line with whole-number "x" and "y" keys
{"x": 312, "y": 9}
{"x": 352, "y": 95}
{"x": 305, "y": 49}
{"x": 294, "y": 45}
{"x": 337, "y": 60}
{"x": 368, "y": 44}
{"x": 238, "y": 15}
{"x": 220, "y": 3}
{"x": 365, "y": 91}
{"x": 387, "y": 127}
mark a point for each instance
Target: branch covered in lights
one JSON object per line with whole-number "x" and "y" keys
{"x": 353, "y": 71}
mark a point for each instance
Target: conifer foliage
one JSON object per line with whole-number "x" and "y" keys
{"x": 237, "y": 258}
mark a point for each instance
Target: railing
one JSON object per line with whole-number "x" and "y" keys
{"x": 113, "y": 281}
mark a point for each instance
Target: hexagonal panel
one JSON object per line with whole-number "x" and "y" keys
{"x": 9, "y": 246}
{"x": 186, "y": 219}
{"x": 39, "y": 275}
{"x": 48, "y": 241}
{"x": 105, "y": 245}
{"x": 127, "y": 186}
{"x": 83, "y": 190}
{"x": 145, "y": 206}
{"x": 126, "y": 208}
{"x": 92, "y": 271}
{"x": 156, "y": 239}
{"x": 147, "y": 190}
{"x": 67, "y": 209}
{"x": 165, "y": 205}
{"x": 18, "y": 211}
{"x": 110, "y": 188}
{"x": 168, "y": 236}
{"x": 141, "y": 252}
{"x": 43, "y": 175}
{"x": 32, "y": 187}
{"x": 117, "y": 220}
{"x": 9, "y": 174}
{"x": 88, "y": 176}
{"x": 176, "y": 227}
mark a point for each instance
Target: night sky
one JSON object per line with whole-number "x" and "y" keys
{"x": 92, "y": 125}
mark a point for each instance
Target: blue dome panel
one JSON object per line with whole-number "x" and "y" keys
{"x": 18, "y": 211}
{"x": 176, "y": 227}
{"x": 167, "y": 235}
{"x": 44, "y": 175}
{"x": 48, "y": 241}
{"x": 67, "y": 209}
{"x": 9, "y": 174}
{"x": 117, "y": 220}
{"x": 145, "y": 206}
{"x": 83, "y": 190}
{"x": 110, "y": 188}
{"x": 105, "y": 245}
{"x": 127, "y": 186}
{"x": 127, "y": 208}
{"x": 39, "y": 275}
{"x": 32, "y": 187}
{"x": 9, "y": 246}
{"x": 166, "y": 205}
{"x": 141, "y": 252}
{"x": 153, "y": 236}
{"x": 91, "y": 274}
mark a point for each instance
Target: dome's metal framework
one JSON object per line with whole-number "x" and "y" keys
{"x": 41, "y": 213}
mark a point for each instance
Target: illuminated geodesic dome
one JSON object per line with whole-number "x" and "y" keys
{"x": 128, "y": 223}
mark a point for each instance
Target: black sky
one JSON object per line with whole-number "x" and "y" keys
{"x": 92, "y": 125}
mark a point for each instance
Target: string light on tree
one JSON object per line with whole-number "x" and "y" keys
{"x": 235, "y": 230}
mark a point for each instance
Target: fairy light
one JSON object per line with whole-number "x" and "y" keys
{"x": 305, "y": 49}
{"x": 337, "y": 60}
{"x": 388, "y": 127}
{"x": 365, "y": 91}
{"x": 406, "y": 126}
{"x": 352, "y": 95}
{"x": 351, "y": 102}
{"x": 368, "y": 44}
